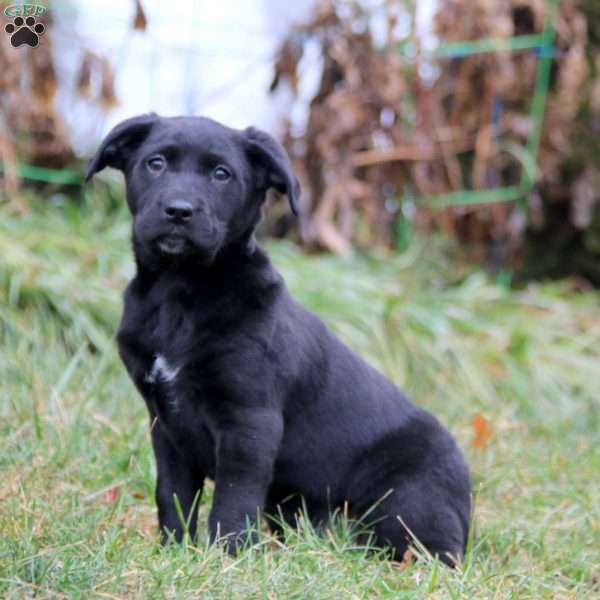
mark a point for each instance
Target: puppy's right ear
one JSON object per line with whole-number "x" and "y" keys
{"x": 120, "y": 142}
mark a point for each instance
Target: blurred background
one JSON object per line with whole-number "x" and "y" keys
{"x": 476, "y": 120}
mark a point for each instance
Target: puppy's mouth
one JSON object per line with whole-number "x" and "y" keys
{"x": 172, "y": 245}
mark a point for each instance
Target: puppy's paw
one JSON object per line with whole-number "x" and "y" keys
{"x": 235, "y": 542}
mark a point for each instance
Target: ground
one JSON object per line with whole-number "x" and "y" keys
{"x": 513, "y": 374}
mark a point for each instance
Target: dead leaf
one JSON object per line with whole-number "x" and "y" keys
{"x": 496, "y": 369}
{"x": 407, "y": 561}
{"x": 140, "y": 21}
{"x": 113, "y": 494}
{"x": 482, "y": 431}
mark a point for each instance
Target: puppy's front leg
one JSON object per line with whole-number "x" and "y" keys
{"x": 246, "y": 453}
{"x": 176, "y": 477}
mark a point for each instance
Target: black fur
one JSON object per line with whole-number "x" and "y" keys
{"x": 243, "y": 384}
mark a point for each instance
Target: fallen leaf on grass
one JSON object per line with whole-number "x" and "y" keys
{"x": 496, "y": 370}
{"x": 407, "y": 560}
{"x": 113, "y": 494}
{"x": 482, "y": 431}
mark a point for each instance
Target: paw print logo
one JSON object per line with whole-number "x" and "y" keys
{"x": 24, "y": 31}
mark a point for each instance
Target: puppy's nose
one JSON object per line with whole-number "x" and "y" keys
{"x": 178, "y": 211}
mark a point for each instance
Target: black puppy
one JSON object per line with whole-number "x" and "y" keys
{"x": 243, "y": 384}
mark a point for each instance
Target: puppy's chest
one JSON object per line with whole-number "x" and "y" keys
{"x": 175, "y": 342}
{"x": 185, "y": 357}
{"x": 177, "y": 393}
{"x": 188, "y": 352}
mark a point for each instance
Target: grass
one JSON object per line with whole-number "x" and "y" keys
{"x": 77, "y": 516}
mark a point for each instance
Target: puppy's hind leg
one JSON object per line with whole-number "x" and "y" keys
{"x": 415, "y": 510}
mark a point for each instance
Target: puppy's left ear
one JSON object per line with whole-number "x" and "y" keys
{"x": 270, "y": 154}
{"x": 120, "y": 142}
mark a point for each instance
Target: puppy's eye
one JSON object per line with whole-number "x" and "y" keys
{"x": 156, "y": 163}
{"x": 221, "y": 174}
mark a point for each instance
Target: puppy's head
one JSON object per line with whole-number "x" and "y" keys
{"x": 194, "y": 187}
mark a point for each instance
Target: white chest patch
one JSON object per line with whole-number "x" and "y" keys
{"x": 161, "y": 371}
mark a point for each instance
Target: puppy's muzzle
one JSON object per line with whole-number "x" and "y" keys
{"x": 178, "y": 211}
